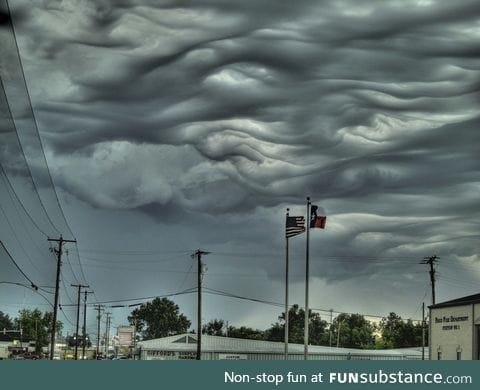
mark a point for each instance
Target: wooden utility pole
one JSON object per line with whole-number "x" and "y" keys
{"x": 330, "y": 328}
{"x": 430, "y": 261}
{"x": 98, "y": 308}
{"x": 79, "y": 286}
{"x": 423, "y": 330}
{"x": 84, "y": 329}
{"x": 199, "y": 254}
{"x": 58, "y": 251}
{"x": 107, "y": 333}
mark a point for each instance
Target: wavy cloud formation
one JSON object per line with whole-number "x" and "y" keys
{"x": 215, "y": 108}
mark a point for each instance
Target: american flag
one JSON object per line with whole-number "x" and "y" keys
{"x": 294, "y": 226}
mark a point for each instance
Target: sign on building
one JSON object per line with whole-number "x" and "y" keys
{"x": 125, "y": 336}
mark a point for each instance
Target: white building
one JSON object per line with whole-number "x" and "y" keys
{"x": 455, "y": 329}
{"x": 184, "y": 346}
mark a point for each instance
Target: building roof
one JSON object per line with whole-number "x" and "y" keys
{"x": 468, "y": 300}
{"x": 188, "y": 342}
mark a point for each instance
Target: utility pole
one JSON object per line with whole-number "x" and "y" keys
{"x": 79, "y": 286}
{"x": 199, "y": 254}
{"x": 98, "y": 308}
{"x": 134, "y": 336}
{"x": 430, "y": 261}
{"x": 423, "y": 330}
{"x": 107, "y": 332}
{"x": 330, "y": 328}
{"x": 58, "y": 252}
{"x": 338, "y": 333}
{"x": 84, "y": 329}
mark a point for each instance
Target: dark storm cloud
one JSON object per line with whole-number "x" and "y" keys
{"x": 214, "y": 107}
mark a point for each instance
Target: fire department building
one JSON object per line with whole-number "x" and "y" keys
{"x": 455, "y": 329}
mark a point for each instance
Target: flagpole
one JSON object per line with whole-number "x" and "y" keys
{"x": 307, "y": 255}
{"x": 286, "y": 293}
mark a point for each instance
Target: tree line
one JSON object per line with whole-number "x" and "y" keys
{"x": 30, "y": 325}
{"x": 161, "y": 318}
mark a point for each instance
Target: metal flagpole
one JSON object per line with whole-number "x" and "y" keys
{"x": 286, "y": 291}
{"x": 305, "y": 337}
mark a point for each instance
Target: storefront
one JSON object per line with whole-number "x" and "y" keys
{"x": 455, "y": 329}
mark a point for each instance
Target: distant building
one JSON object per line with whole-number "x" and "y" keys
{"x": 455, "y": 329}
{"x": 184, "y": 346}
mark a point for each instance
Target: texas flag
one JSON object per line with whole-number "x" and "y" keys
{"x": 317, "y": 221}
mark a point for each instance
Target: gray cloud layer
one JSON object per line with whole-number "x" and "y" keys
{"x": 206, "y": 108}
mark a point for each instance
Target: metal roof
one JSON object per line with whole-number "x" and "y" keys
{"x": 468, "y": 300}
{"x": 187, "y": 342}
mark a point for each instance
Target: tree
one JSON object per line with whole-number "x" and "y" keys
{"x": 353, "y": 331}
{"x": 37, "y": 326}
{"x": 159, "y": 318}
{"x": 398, "y": 333}
{"x": 5, "y": 322}
{"x": 317, "y": 334}
{"x": 214, "y": 328}
{"x": 245, "y": 332}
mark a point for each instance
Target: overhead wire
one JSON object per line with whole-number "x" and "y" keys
{"x": 20, "y": 243}
{"x": 14, "y": 194}
{"x": 32, "y": 287}
{"x": 19, "y": 143}
{"x": 65, "y": 316}
{"x": 70, "y": 265}
{"x": 187, "y": 273}
{"x": 36, "y": 132}
{"x": 134, "y": 252}
{"x": 186, "y": 291}
{"x": 17, "y": 266}
{"x": 40, "y": 149}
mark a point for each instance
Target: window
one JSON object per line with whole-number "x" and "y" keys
{"x": 459, "y": 355}
{"x": 439, "y": 355}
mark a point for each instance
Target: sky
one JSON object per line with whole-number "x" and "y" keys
{"x": 169, "y": 126}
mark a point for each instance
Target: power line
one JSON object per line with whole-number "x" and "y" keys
{"x": 187, "y": 291}
{"x": 80, "y": 263}
{"x": 18, "y": 267}
{"x": 20, "y": 243}
{"x": 32, "y": 113}
{"x": 65, "y": 316}
{"x": 33, "y": 288}
{"x": 23, "y": 153}
{"x": 11, "y": 191}
{"x": 70, "y": 265}
{"x": 278, "y": 304}
{"x": 186, "y": 274}
{"x": 133, "y": 252}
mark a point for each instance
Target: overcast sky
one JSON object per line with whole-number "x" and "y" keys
{"x": 175, "y": 125}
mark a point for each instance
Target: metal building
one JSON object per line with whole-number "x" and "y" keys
{"x": 226, "y": 348}
{"x": 455, "y": 329}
